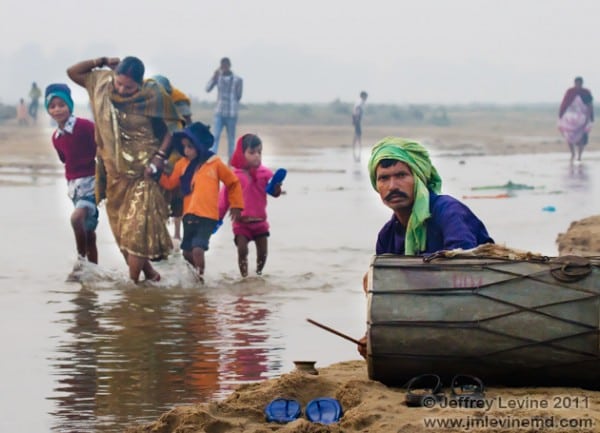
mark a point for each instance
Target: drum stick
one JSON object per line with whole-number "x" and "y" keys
{"x": 338, "y": 333}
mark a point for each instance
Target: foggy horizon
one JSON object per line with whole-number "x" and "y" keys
{"x": 434, "y": 52}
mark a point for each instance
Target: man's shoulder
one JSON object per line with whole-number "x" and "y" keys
{"x": 389, "y": 225}
{"x": 443, "y": 200}
{"x": 442, "y": 203}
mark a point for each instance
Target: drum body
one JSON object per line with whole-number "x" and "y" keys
{"x": 507, "y": 322}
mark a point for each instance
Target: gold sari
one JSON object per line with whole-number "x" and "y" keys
{"x": 135, "y": 205}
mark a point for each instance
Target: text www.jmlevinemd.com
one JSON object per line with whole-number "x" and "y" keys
{"x": 467, "y": 423}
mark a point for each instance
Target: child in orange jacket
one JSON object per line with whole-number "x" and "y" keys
{"x": 199, "y": 174}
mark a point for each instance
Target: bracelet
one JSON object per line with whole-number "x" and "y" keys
{"x": 103, "y": 61}
{"x": 159, "y": 156}
{"x": 161, "y": 153}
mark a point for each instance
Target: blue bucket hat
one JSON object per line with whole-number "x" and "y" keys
{"x": 58, "y": 90}
{"x": 198, "y": 133}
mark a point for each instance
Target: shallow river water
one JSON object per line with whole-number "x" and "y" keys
{"x": 105, "y": 354}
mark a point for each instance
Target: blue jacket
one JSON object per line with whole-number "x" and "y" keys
{"x": 452, "y": 225}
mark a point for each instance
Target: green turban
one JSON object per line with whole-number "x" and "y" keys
{"x": 426, "y": 178}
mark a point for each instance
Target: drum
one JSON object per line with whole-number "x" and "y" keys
{"x": 509, "y": 322}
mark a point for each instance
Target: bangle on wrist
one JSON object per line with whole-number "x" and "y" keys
{"x": 100, "y": 62}
{"x": 161, "y": 153}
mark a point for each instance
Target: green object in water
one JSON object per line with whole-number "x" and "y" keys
{"x": 508, "y": 185}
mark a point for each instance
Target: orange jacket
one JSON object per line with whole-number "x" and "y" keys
{"x": 203, "y": 201}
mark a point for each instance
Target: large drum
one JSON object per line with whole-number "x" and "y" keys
{"x": 511, "y": 322}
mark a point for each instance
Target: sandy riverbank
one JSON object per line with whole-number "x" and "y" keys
{"x": 372, "y": 407}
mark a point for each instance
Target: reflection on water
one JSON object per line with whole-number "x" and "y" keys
{"x": 131, "y": 358}
{"x": 578, "y": 177}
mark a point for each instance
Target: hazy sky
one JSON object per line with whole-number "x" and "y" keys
{"x": 418, "y": 51}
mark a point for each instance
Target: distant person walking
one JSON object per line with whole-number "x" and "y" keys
{"x": 229, "y": 93}
{"x": 22, "y": 113}
{"x": 357, "y": 114}
{"x": 576, "y": 115}
{"x": 34, "y": 95}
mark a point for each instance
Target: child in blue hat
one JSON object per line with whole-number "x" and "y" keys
{"x": 200, "y": 174}
{"x": 75, "y": 145}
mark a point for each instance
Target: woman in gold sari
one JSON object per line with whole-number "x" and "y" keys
{"x": 131, "y": 118}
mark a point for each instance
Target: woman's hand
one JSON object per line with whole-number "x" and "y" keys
{"x": 112, "y": 62}
{"x": 155, "y": 168}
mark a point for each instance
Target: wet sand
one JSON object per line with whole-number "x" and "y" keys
{"x": 369, "y": 405}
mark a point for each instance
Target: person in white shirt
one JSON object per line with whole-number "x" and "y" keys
{"x": 229, "y": 93}
{"x": 357, "y": 114}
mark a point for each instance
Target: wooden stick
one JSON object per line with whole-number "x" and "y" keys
{"x": 338, "y": 333}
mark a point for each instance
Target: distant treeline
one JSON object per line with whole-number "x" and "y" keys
{"x": 7, "y": 111}
{"x": 340, "y": 113}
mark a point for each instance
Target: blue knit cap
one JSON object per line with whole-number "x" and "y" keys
{"x": 61, "y": 91}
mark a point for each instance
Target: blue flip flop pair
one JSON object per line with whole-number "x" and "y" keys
{"x": 323, "y": 410}
{"x": 277, "y": 178}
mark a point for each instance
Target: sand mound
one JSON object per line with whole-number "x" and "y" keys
{"x": 243, "y": 410}
{"x": 581, "y": 239}
{"x": 370, "y": 406}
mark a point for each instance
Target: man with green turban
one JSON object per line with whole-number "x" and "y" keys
{"x": 424, "y": 221}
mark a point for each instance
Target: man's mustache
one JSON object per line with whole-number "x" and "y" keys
{"x": 395, "y": 193}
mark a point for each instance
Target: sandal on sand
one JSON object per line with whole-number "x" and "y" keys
{"x": 467, "y": 389}
{"x": 424, "y": 390}
{"x": 277, "y": 178}
{"x": 282, "y": 410}
{"x": 324, "y": 410}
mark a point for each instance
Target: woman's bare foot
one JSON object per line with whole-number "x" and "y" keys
{"x": 152, "y": 276}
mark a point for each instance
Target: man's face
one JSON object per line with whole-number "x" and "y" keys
{"x": 396, "y": 186}
{"x": 225, "y": 67}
